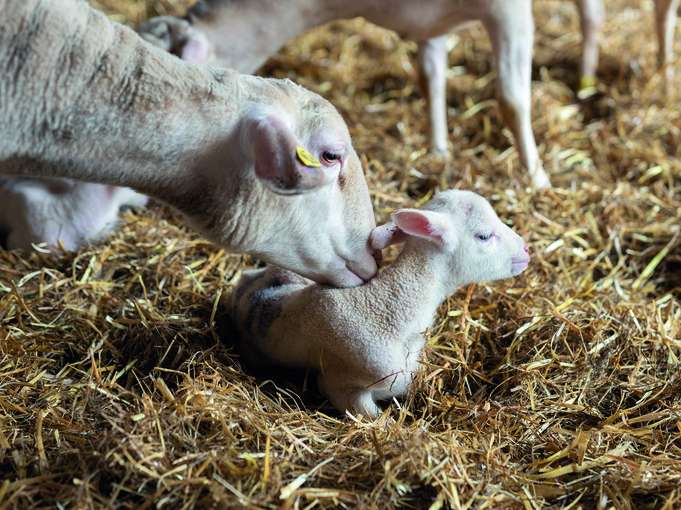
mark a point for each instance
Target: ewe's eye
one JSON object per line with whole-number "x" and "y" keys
{"x": 330, "y": 158}
{"x": 484, "y": 237}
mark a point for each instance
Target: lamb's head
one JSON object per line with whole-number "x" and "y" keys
{"x": 303, "y": 201}
{"x": 463, "y": 226}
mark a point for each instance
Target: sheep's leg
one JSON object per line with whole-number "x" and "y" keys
{"x": 591, "y": 15}
{"x": 362, "y": 402}
{"x": 511, "y": 29}
{"x": 432, "y": 61}
{"x": 665, "y": 23}
{"x": 346, "y": 397}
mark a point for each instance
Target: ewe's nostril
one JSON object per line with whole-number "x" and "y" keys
{"x": 527, "y": 249}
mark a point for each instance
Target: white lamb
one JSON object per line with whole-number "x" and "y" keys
{"x": 366, "y": 341}
{"x": 60, "y": 212}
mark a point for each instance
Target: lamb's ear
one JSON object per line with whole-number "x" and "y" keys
{"x": 431, "y": 225}
{"x": 280, "y": 160}
{"x": 386, "y": 235}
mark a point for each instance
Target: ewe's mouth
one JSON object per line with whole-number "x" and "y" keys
{"x": 364, "y": 280}
{"x": 364, "y": 270}
{"x": 346, "y": 278}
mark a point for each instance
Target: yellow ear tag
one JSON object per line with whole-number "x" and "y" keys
{"x": 306, "y": 158}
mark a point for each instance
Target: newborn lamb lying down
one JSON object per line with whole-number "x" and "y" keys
{"x": 60, "y": 212}
{"x": 366, "y": 341}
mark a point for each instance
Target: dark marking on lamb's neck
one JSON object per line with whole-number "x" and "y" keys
{"x": 269, "y": 312}
{"x": 263, "y": 310}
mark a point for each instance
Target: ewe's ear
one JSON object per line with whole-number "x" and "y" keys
{"x": 431, "y": 225}
{"x": 279, "y": 159}
{"x": 386, "y": 235}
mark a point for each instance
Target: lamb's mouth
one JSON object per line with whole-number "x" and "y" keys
{"x": 519, "y": 265}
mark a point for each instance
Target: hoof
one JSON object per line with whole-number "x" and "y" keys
{"x": 440, "y": 152}
{"x": 541, "y": 181}
{"x": 587, "y": 87}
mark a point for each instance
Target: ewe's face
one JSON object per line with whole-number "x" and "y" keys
{"x": 340, "y": 215}
{"x": 484, "y": 248}
{"x": 318, "y": 211}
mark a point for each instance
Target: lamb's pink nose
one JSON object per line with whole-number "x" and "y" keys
{"x": 526, "y": 249}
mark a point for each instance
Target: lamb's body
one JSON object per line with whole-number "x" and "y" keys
{"x": 60, "y": 212}
{"x": 365, "y": 341}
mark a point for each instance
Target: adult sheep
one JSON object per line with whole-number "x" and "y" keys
{"x": 243, "y": 34}
{"x": 84, "y": 98}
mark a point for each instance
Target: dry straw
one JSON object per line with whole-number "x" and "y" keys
{"x": 557, "y": 389}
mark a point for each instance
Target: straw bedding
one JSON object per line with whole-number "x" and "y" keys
{"x": 557, "y": 389}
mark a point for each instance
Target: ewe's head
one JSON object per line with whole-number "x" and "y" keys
{"x": 312, "y": 188}
{"x": 462, "y": 225}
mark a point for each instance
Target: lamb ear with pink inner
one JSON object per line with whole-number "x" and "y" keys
{"x": 430, "y": 225}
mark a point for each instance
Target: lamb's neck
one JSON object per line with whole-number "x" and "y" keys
{"x": 413, "y": 287}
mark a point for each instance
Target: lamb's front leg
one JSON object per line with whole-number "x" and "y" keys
{"x": 665, "y": 23}
{"x": 511, "y": 28}
{"x": 346, "y": 396}
{"x": 432, "y": 60}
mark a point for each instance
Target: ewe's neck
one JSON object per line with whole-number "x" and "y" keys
{"x": 111, "y": 110}
{"x": 414, "y": 286}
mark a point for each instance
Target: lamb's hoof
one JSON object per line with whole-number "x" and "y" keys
{"x": 540, "y": 180}
{"x": 440, "y": 152}
{"x": 588, "y": 87}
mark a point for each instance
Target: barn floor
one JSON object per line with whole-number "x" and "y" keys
{"x": 559, "y": 389}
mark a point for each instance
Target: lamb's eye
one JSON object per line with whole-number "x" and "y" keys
{"x": 484, "y": 237}
{"x": 330, "y": 157}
